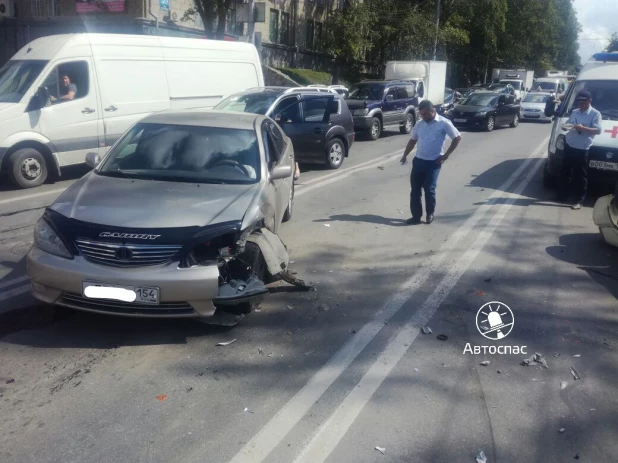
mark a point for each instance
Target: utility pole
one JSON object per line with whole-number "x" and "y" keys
{"x": 435, "y": 42}
{"x": 251, "y": 31}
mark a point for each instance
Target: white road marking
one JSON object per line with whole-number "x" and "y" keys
{"x": 330, "y": 433}
{"x": 14, "y": 292}
{"x": 33, "y": 195}
{"x": 14, "y": 281}
{"x": 260, "y": 446}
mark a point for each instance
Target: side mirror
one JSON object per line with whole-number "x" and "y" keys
{"x": 93, "y": 159}
{"x": 281, "y": 172}
{"x": 390, "y": 97}
{"x": 550, "y": 108}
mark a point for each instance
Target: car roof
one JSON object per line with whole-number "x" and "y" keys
{"x": 205, "y": 118}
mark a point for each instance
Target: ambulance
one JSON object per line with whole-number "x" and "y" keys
{"x": 599, "y": 76}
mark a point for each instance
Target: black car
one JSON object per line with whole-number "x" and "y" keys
{"x": 486, "y": 110}
{"x": 450, "y": 98}
{"x": 317, "y": 120}
{"x": 380, "y": 103}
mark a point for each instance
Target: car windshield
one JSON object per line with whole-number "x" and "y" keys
{"x": 535, "y": 98}
{"x": 550, "y": 86}
{"x": 179, "y": 153}
{"x": 16, "y": 77}
{"x": 604, "y": 97}
{"x": 481, "y": 99}
{"x": 256, "y": 103}
{"x": 366, "y": 92}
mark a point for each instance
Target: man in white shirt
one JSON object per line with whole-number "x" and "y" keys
{"x": 430, "y": 134}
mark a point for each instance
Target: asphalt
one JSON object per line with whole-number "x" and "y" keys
{"x": 330, "y": 375}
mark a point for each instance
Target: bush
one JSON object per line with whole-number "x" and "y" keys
{"x": 308, "y": 76}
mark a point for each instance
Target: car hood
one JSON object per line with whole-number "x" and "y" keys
{"x": 4, "y": 106}
{"x": 133, "y": 203}
{"x": 473, "y": 109}
{"x": 358, "y": 104}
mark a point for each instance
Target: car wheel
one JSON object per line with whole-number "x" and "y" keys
{"x": 409, "y": 123}
{"x": 376, "y": 129}
{"x": 335, "y": 152}
{"x": 515, "y": 122}
{"x": 490, "y": 124}
{"x": 287, "y": 215}
{"x": 27, "y": 168}
{"x": 549, "y": 181}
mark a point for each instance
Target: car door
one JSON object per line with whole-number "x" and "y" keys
{"x": 389, "y": 106}
{"x": 71, "y": 125}
{"x": 502, "y": 111}
{"x": 277, "y": 154}
{"x": 287, "y": 113}
{"x": 401, "y": 100}
{"x": 315, "y": 126}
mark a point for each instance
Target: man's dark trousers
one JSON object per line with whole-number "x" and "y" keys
{"x": 424, "y": 176}
{"x": 575, "y": 168}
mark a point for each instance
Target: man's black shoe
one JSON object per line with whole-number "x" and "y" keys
{"x": 413, "y": 221}
{"x": 429, "y": 219}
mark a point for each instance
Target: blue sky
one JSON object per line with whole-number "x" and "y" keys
{"x": 599, "y": 19}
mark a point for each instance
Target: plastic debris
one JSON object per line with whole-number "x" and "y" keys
{"x": 499, "y": 372}
{"x": 189, "y": 389}
{"x": 487, "y": 280}
{"x": 575, "y": 375}
{"x": 577, "y": 356}
{"x": 536, "y": 359}
{"x": 561, "y": 430}
{"x": 226, "y": 343}
{"x": 485, "y": 363}
{"x": 248, "y": 410}
{"x": 289, "y": 307}
{"x": 426, "y": 330}
{"x": 576, "y": 457}
{"x": 309, "y": 352}
{"x": 481, "y": 458}
{"x": 327, "y": 225}
{"x": 480, "y": 293}
{"x": 10, "y": 381}
{"x": 563, "y": 385}
{"x": 593, "y": 409}
{"x": 381, "y": 450}
{"x": 270, "y": 354}
{"x": 381, "y": 167}
{"x": 323, "y": 308}
{"x": 442, "y": 337}
{"x": 556, "y": 355}
{"x": 416, "y": 369}
{"x": 161, "y": 397}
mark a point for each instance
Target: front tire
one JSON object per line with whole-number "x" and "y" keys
{"x": 406, "y": 128}
{"x": 335, "y": 152}
{"x": 27, "y": 168}
{"x": 490, "y": 124}
{"x": 376, "y": 129}
{"x": 515, "y": 122}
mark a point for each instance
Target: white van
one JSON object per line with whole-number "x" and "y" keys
{"x": 117, "y": 80}
{"x": 599, "y": 77}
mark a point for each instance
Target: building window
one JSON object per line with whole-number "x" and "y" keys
{"x": 53, "y": 8}
{"x": 274, "y": 26}
{"x": 37, "y": 8}
{"x": 285, "y": 28}
{"x": 318, "y": 35}
{"x": 310, "y": 34}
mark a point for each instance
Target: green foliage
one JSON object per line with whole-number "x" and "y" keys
{"x": 613, "y": 42}
{"x": 308, "y": 76}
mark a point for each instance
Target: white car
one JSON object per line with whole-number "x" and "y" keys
{"x": 533, "y": 106}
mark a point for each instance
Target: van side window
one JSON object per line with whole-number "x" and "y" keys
{"x": 410, "y": 91}
{"x": 68, "y": 81}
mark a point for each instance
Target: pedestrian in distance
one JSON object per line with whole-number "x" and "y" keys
{"x": 429, "y": 134}
{"x": 584, "y": 124}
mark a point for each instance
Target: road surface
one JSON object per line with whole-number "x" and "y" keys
{"x": 332, "y": 374}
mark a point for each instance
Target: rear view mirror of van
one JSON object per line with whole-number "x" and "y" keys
{"x": 550, "y": 107}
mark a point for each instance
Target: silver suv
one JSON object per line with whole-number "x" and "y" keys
{"x": 179, "y": 218}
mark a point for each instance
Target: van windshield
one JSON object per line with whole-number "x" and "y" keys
{"x": 16, "y": 77}
{"x": 256, "y": 103}
{"x": 515, "y": 83}
{"x": 547, "y": 86}
{"x": 604, "y": 97}
{"x": 180, "y": 153}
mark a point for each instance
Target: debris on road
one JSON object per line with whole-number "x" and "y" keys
{"x": 485, "y": 363}
{"x": 327, "y": 225}
{"x": 536, "y": 359}
{"x": 381, "y": 167}
{"x": 248, "y": 410}
{"x": 309, "y": 352}
{"x": 10, "y": 381}
{"x": 556, "y": 355}
{"x": 426, "y": 330}
{"x": 577, "y": 356}
{"x": 563, "y": 385}
{"x": 189, "y": 389}
{"x": 576, "y": 457}
{"x": 226, "y": 343}
{"x": 487, "y": 280}
{"x": 481, "y": 458}
{"x": 270, "y": 354}
{"x": 480, "y": 293}
{"x": 442, "y": 337}
{"x": 381, "y": 450}
{"x": 499, "y": 372}
{"x": 575, "y": 375}
{"x": 561, "y": 430}
{"x": 260, "y": 351}
{"x": 323, "y": 308}
{"x": 161, "y": 397}
{"x": 416, "y": 369}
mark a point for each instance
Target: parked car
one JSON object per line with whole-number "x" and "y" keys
{"x": 118, "y": 79}
{"x": 450, "y": 98}
{"x": 340, "y": 89}
{"x": 465, "y": 92}
{"x": 179, "y": 218}
{"x": 381, "y": 103}
{"x": 533, "y": 106}
{"x": 486, "y": 110}
{"x": 317, "y": 121}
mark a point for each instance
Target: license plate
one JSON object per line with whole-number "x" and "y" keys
{"x": 461, "y": 120}
{"x": 604, "y": 165}
{"x": 136, "y": 294}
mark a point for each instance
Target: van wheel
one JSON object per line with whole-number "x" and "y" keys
{"x": 407, "y": 126}
{"x": 287, "y": 215}
{"x": 27, "y": 168}
{"x": 376, "y": 129}
{"x": 335, "y": 152}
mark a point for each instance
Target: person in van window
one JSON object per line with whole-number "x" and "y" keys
{"x": 68, "y": 90}
{"x": 586, "y": 122}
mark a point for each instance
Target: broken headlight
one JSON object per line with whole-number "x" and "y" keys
{"x": 212, "y": 252}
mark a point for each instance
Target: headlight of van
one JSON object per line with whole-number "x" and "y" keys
{"x": 560, "y": 142}
{"x": 360, "y": 112}
{"x": 46, "y": 239}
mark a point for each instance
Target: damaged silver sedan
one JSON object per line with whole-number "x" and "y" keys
{"x": 179, "y": 219}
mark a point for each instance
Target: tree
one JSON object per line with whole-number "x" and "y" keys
{"x": 613, "y": 43}
{"x": 213, "y": 14}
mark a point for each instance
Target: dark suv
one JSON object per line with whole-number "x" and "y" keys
{"x": 380, "y": 103}
{"x": 317, "y": 120}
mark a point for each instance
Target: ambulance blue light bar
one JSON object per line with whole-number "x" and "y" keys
{"x": 605, "y": 56}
